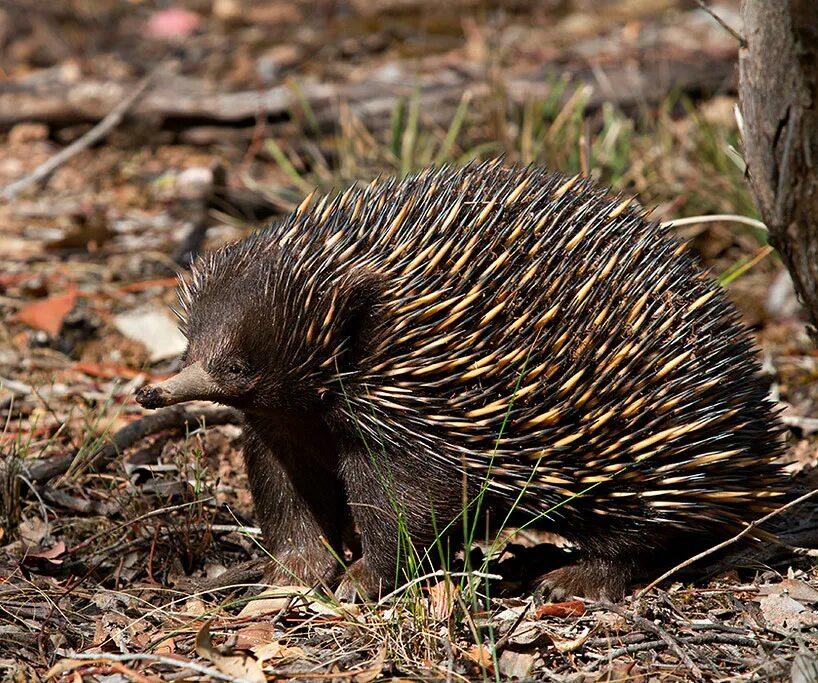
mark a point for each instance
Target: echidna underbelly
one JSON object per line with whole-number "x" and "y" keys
{"x": 542, "y": 335}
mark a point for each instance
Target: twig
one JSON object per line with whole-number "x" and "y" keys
{"x": 722, "y": 23}
{"x": 506, "y": 637}
{"x": 648, "y": 625}
{"x": 111, "y": 121}
{"x": 286, "y": 608}
{"x": 43, "y": 469}
{"x": 105, "y": 658}
{"x": 746, "y": 530}
{"x": 708, "y": 639}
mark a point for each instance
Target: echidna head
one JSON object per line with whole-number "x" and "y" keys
{"x": 266, "y": 334}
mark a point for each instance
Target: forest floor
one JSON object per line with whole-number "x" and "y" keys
{"x": 128, "y": 547}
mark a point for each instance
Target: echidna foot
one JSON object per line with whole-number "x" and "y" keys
{"x": 359, "y": 583}
{"x": 288, "y": 569}
{"x": 591, "y": 579}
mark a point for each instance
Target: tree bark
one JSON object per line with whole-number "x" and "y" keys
{"x": 778, "y": 91}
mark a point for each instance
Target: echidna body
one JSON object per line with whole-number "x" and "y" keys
{"x": 485, "y": 329}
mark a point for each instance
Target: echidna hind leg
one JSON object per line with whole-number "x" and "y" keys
{"x": 594, "y": 578}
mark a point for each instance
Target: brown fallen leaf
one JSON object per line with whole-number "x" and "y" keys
{"x": 239, "y": 665}
{"x": 373, "y": 671}
{"x": 147, "y": 284}
{"x": 480, "y": 655}
{"x": 517, "y": 664}
{"x": 795, "y": 588}
{"x": 255, "y": 634}
{"x": 278, "y": 652}
{"x": 274, "y": 599}
{"x": 783, "y": 611}
{"x": 570, "y": 645}
{"x": 50, "y": 554}
{"x": 804, "y": 667}
{"x": 48, "y": 314}
{"x": 571, "y": 608}
{"x": 442, "y": 598}
{"x": 88, "y": 230}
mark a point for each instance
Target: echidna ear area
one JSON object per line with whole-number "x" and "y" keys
{"x": 522, "y": 318}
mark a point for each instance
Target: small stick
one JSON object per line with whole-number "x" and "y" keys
{"x": 110, "y": 658}
{"x": 43, "y": 469}
{"x": 722, "y": 23}
{"x": 711, "y": 639}
{"x": 648, "y": 625}
{"x": 746, "y": 530}
{"x": 111, "y": 121}
{"x": 506, "y": 637}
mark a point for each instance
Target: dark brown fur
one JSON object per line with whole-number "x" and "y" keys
{"x": 493, "y": 334}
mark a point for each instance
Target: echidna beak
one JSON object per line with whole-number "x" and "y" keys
{"x": 191, "y": 384}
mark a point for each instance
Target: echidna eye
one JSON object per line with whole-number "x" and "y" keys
{"x": 235, "y": 367}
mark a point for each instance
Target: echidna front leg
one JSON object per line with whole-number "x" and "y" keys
{"x": 299, "y": 503}
{"x": 400, "y": 506}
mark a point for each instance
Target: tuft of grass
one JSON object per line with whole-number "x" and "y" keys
{"x": 674, "y": 150}
{"x": 190, "y": 534}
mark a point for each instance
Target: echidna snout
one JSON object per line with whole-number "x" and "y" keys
{"x": 193, "y": 383}
{"x": 503, "y": 333}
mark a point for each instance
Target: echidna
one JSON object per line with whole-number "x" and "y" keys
{"x": 506, "y": 332}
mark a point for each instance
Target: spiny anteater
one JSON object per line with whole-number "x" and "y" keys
{"x": 394, "y": 346}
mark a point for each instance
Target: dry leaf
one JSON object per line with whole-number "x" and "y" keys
{"x": 66, "y": 665}
{"x": 442, "y": 600}
{"x": 33, "y": 531}
{"x": 481, "y": 656}
{"x": 88, "y": 231}
{"x": 783, "y": 611}
{"x": 238, "y": 665}
{"x": 48, "y": 314}
{"x": 113, "y": 371}
{"x": 167, "y": 646}
{"x": 50, "y": 554}
{"x": 275, "y": 599}
{"x": 194, "y": 607}
{"x": 373, "y": 671}
{"x": 796, "y": 589}
{"x": 516, "y": 664}
{"x": 571, "y": 608}
{"x": 256, "y": 634}
{"x": 277, "y": 651}
{"x": 530, "y": 634}
{"x": 804, "y": 667}
{"x": 570, "y": 645}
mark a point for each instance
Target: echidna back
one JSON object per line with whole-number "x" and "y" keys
{"x": 542, "y": 336}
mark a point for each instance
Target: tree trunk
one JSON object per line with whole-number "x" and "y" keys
{"x": 778, "y": 91}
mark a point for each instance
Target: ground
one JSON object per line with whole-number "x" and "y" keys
{"x": 112, "y": 526}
